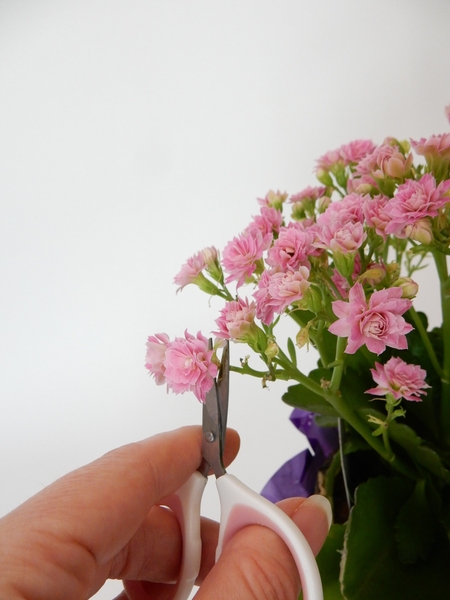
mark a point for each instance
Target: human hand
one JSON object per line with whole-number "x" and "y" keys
{"x": 103, "y": 522}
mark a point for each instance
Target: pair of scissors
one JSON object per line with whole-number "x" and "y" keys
{"x": 240, "y": 506}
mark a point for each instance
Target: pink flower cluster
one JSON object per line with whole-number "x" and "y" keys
{"x": 184, "y": 364}
{"x": 399, "y": 379}
{"x": 336, "y": 264}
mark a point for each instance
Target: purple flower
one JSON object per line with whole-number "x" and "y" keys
{"x": 298, "y": 476}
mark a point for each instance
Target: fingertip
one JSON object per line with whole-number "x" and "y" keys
{"x": 323, "y": 504}
{"x": 312, "y": 515}
{"x": 232, "y": 445}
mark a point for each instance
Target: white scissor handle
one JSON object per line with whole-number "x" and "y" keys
{"x": 241, "y": 506}
{"x": 185, "y": 503}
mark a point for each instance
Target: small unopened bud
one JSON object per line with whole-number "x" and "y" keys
{"x": 298, "y": 211}
{"x": 211, "y": 258}
{"x": 313, "y": 300}
{"x": 271, "y": 350}
{"x": 405, "y": 146}
{"x": 373, "y": 275}
{"x": 324, "y": 177}
{"x": 345, "y": 263}
{"x": 276, "y": 199}
{"x": 302, "y": 337}
{"x": 323, "y": 203}
{"x": 409, "y": 287}
{"x": 364, "y": 188}
{"x": 393, "y": 270}
{"x": 420, "y": 232}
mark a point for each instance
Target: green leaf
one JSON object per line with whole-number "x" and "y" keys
{"x": 417, "y": 450}
{"x": 370, "y": 568}
{"x": 328, "y": 561}
{"x": 415, "y": 446}
{"x": 415, "y": 536}
{"x": 292, "y": 352}
{"x": 302, "y": 397}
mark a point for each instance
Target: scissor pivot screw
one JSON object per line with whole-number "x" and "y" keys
{"x": 209, "y": 436}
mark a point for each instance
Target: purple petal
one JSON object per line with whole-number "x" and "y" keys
{"x": 327, "y": 437}
{"x": 297, "y": 477}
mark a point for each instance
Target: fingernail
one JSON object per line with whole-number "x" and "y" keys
{"x": 322, "y": 503}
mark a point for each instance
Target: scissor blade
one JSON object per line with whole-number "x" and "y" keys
{"x": 212, "y": 448}
{"x": 223, "y": 389}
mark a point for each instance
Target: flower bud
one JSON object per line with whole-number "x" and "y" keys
{"x": 298, "y": 211}
{"x": 271, "y": 350}
{"x": 275, "y": 199}
{"x": 364, "y": 188}
{"x": 373, "y": 275}
{"x": 420, "y": 232}
{"x": 345, "y": 263}
{"x": 323, "y": 203}
{"x": 324, "y": 177}
{"x": 409, "y": 287}
{"x": 393, "y": 270}
{"x": 302, "y": 337}
{"x": 212, "y": 264}
{"x": 313, "y": 300}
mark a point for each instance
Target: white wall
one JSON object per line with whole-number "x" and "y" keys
{"x": 134, "y": 133}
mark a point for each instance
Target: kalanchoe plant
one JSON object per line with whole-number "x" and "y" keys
{"x": 341, "y": 267}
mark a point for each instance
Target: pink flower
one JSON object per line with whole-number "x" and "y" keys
{"x": 447, "y": 112}
{"x": 385, "y": 160}
{"x": 268, "y": 221}
{"x": 436, "y": 150}
{"x": 349, "y": 209}
{"x": 190, "y": 271}
{"x": 236, "y": 320}
{"x": 277, "y": 290}
{"x": 377, "y": 323}
{"x": 291, "y": 248}
{"x": 433, "y": 147}
{"x": 361, "y": 184}
{"x": 345, "y": 238}
{"x": 399, "y": 379}
{"x": 240, "y": 256}
{"x": 156, "y": 354}
{"x": 328, "y": 160}
{"x": 188, "y": 365}
{"x": 264, "y": 309}
{"x": 375, "y": 213}
{"x": 356, "y": 150}
{"x": 287, "y": 288}
{"x": 309, "y": 193}
{"x": 347, "y": 154}
{"x": 415, "y": 200}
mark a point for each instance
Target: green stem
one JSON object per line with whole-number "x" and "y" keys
{"x": 386, "y": 441}
{"x": 340, "y": 405}
{"x": 441, "y": 266}
{"x": 338, "y": 370}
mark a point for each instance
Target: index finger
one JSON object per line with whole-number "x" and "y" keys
{"x": 100, "y": 506}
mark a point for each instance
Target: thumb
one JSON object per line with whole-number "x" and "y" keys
{"x": 257, "y": 565}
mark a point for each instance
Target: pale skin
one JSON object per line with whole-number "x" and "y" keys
{"x": 103, "y": 521}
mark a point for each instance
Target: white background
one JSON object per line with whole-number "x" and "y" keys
{"x": 132, "y": 134}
